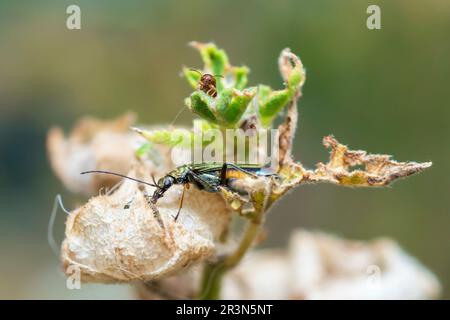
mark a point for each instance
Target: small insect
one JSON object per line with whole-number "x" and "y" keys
{"x": 209, "y": 177}
{"x": 207, "y": 83}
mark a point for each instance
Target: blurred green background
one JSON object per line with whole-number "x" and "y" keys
{"x": 385, "y": 91}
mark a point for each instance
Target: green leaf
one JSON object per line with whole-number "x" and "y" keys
{"x": 203, "y": 125}
{"x": 291, "y": 69}
{"x": 215, "y": 59}
{"x": 240, "y": 77}
{"x": 295, "y": 79}
{"x": 263, "y": 93}
{"x": 193, "y": 77}
{"x": 171, "y": 138}
{"x": 182, "y": 138}
{"x": 226, "y": 110}
{"x": 143, "y": 149}
{"x": 199, "y": 103}
{"x": 271, "y": 103}
{"x": 231, "y": 105}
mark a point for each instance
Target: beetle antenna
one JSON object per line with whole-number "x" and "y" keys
{"x": 120, "y": 175}
{"x": 218, "y": 76}
{"x": 195, "y": 70}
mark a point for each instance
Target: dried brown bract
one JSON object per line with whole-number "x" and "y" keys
{"x": 378, "y": 170}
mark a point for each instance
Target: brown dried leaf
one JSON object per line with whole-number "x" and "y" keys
{"x": 379, "y": 170}
{"x": 286, "y": 63}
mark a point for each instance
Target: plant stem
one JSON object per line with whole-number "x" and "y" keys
{"x": 213, "y": 273}
{"x": 251, "y": 232}
{"x": 211, "y": 282}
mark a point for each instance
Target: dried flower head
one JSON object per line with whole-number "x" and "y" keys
{"x": 119, "y": 237}
{"x": 92, "y": 144}
{"x": 322, "y": 266}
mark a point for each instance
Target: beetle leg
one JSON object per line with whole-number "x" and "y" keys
{"x": 223, "y": 174}
{"x": 185, "y": 186}
{"x": 212, "y": 92}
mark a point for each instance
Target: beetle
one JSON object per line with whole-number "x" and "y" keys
{"x": 209, "y": 177}
{"x": 207, "y": 83}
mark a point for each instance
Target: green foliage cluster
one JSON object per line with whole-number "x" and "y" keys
{"x": 235, "y": 103}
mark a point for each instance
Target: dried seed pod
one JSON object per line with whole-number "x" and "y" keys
{"x": 322, "y": 266}
{"x": 117, "y": 238}
{"x": 92, "y": 144}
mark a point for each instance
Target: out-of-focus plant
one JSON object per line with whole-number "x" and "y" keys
{"x": 109, "y": 237}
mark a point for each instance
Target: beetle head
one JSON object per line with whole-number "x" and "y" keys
{"x": 162, "y": 186}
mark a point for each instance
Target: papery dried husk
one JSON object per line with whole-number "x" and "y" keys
{"x": 93, "y": 145}
{"x": 119, "y": 238}
{"x": 321, "y": 266}
{"x": 181, "y": 286}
